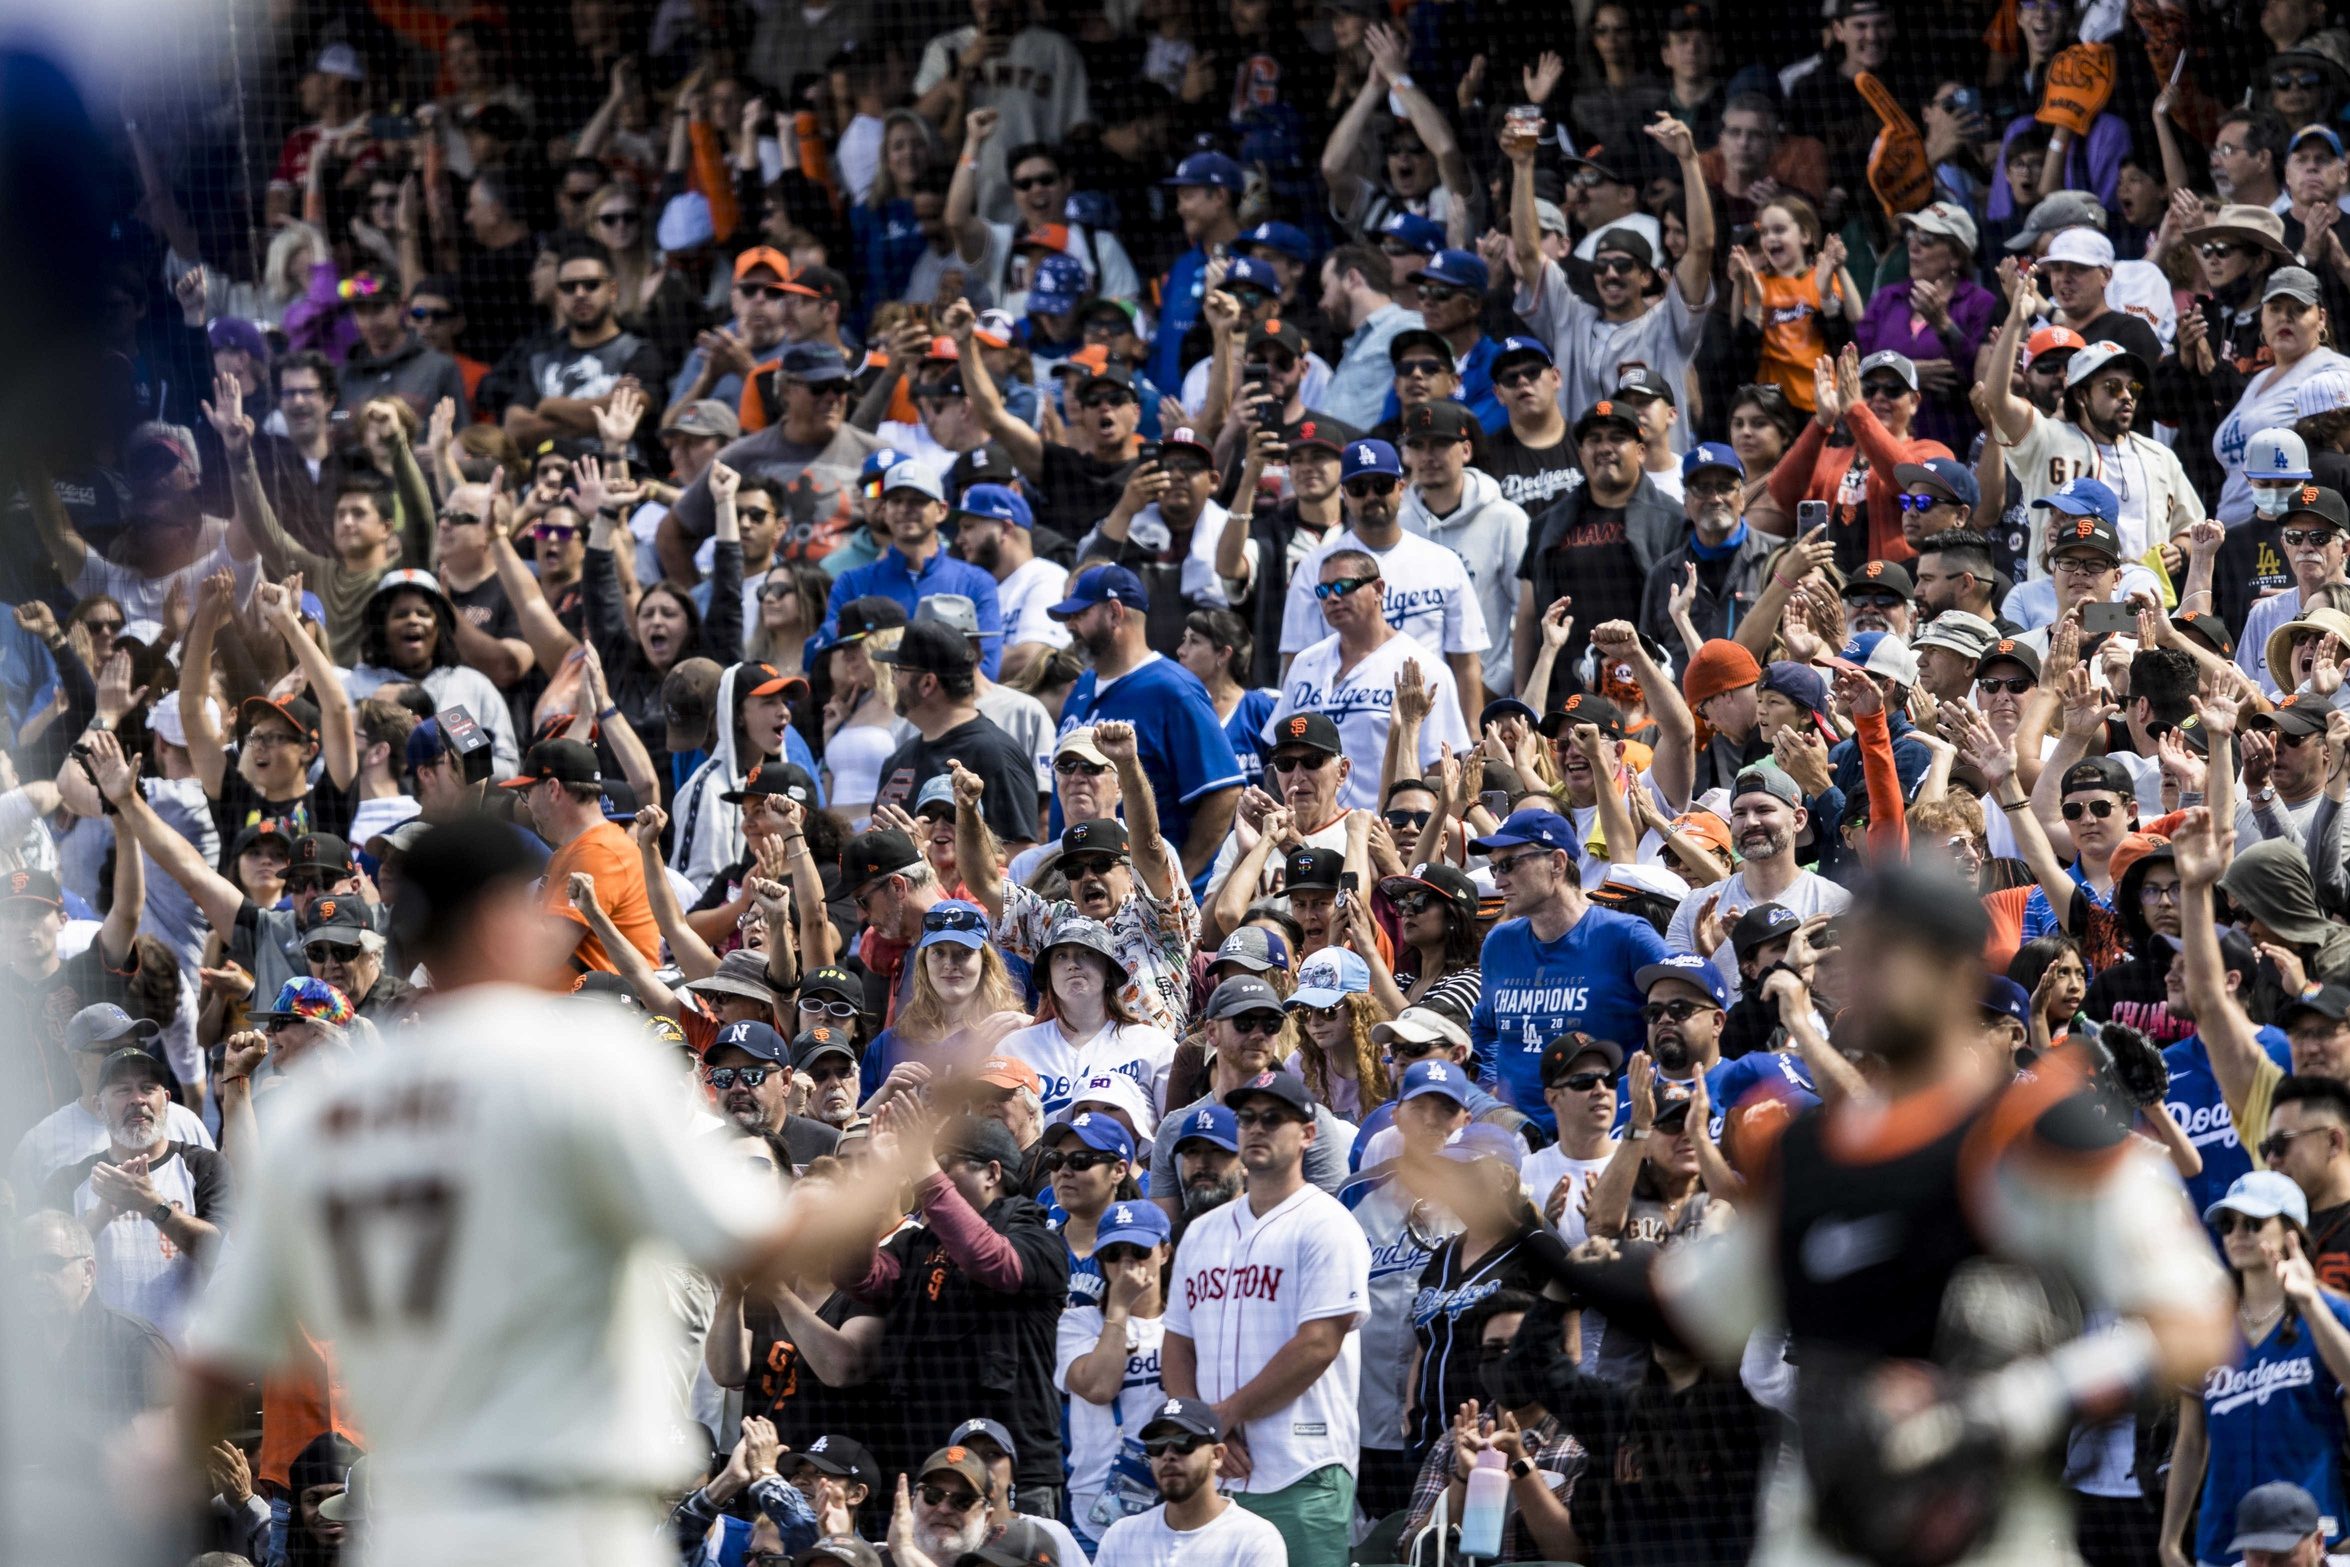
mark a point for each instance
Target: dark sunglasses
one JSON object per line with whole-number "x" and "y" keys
{"x": 2221, "y": 250}
{"x": 1415, "y": 902}
{"x": 1326, "y": 591}
{"x": 2014, "y": 685}
{"x": 2101, "y": 809}
{"x": 1078, "y": 1163}
{"x": 555, "y": 532}
{"x": 1300, "y": 762}
{"x": 2278, "y": 1144}
{"x": 301, "y": 881}
{"x": 1675, "y": 1011}
{"x": 1519, "y": 375}
{"x": 763, "y": 292}
{"x": 334, "y": 951}
{"x": 579, "y": 285}
{"x": 940, "y": 1496}
{"x": 103, "y": 626}
{"x": 1408, "y": 819}
{"x": 754, "y": 513}
{"x": 1882, "y": 386}
{"x": 1078, "y": 869}
{"x": 619, "y": 220}
{"x": 1104, "y": 400}
{"x": 1072, "y": 766}
{"x": 1265, "y": 1024}
{"x": 1428, "y": 288}
{"x": 2285, "y": 81}
{"x": 1612, "y": 266}
{"x": 1919, "y": 500}
{"x": 1364, "y": 489}
{"x": 1036, "y": 182}
{"x": 1180, "y": 1446}
{"x": 1422, "y": 367}
{"x": 2231, "y": 1221}
{"x": 724, "y": 1077}
{"x": 2308, "y": 538}
{"x": 461, "y": 519}
{"x": 1582, "y": 1082}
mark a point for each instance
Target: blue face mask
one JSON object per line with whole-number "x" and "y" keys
{"x": 2273, "y": 503}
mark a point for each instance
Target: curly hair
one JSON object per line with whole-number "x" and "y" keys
{"x": 1362, "y": 1015}
{"x": 923, "y": 1019}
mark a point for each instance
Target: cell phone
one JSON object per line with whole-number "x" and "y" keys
{"x": 1743, "y": 236}
{"x": 1495, "y": 800}
{"x": 1965, "y": 101}
{"x": 2103, "y": 618}
{"x": 1810, "y": 515}
{"x": 1147, "y": 452}
{"x": 1256, "y": 373}
{"x": 1348, "y": 881}
{"x": 1826, "y": 936}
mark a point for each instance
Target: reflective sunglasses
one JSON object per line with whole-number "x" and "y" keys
{"x": 2286, "y": 81}
{"x": 2221, "y": 250}
{"x": 940, "y": 1496}
{"x": 953, "y": 919}
{"x": 1675, "y": 1011}
{"x": 1072, "y": 766}
{"x": 2101, "y": 809}
{"x": 2308, "y": 538}
{"x": 724, "y": 1077}
{"x": 1326, "y": 591}
{"x": 2014, "y": 685}
{"x": 1408, "y": 819}
{"x": 555, "y": 532}
{"x": 1919, "y": 500}
{"x": 1078, "y": 1163}
{"x": 1578, "y": 1082}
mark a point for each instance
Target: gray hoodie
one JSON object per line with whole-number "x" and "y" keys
{"x": 707, "y": 835}
{"x": 1488, "y": 533}
{"x": 2271, "y": 881}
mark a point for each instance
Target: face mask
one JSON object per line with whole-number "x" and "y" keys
{"x": 2272, "y": 503}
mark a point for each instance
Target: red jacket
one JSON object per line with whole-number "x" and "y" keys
{"x": 1813, "y": 470}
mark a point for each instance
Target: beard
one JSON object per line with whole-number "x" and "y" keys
{"x": 1201, "y": 1196}
{"x": 1182, "y": 1487}
{"x": 946, "y": 1547}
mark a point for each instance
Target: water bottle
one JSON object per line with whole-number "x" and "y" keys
{"x": 1489, "y": 1492}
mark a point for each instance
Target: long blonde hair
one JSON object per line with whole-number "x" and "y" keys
{"x": 632, "y": 263}
{"x": 1371, "y": 1083}
{"x": 281, "y": 284}
{"x": 924, "y": 1021}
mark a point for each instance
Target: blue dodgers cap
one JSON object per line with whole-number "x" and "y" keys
{"x": 1691, "y": 968}
{"x": 1944, "y": 476}
{"x": 1328, "y": 975}
{"x": 1711, "y": 454}
{"x": 1287, "y": 238}
{"x": 1056, "y": 286}
{"x": 1521, "y": 346}
{"x": 1191, "y": 1416}
{"x": 1448, "y": 1078}
{"x": 426, "y": 744}
{"x": 1210, "y": 1124}
{"x": 1483, "y": 1140}
{"x": 964, "y": 924}
{"x": 999, "y": 502}
{"x": 2275, "y": 1518}
{"x": 1459, "y": 269}
{"x": 814, "y": 363}
{"x": 759, "y": 1041}
{"x": 2084, "y": 497}
{"x": 1369, "y": 457}
{"x": 1102, "y": 1133}
{"x": 1211, "y": 169}
{"x": 1544, "y": 829}
{"x": 1249, "y": 272}
{"x": 878, "y": 462}
{"x": 2003, "y": 997}
{"x": 1133, "y": 1224}
{"x": 1101, "y": 585}
{"x": 1414, "y": 232}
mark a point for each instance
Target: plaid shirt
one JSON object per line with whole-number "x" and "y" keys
{"x": 1549, "y": 1446}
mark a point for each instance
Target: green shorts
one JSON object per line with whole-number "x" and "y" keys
{"x": 1315, "y": 1516}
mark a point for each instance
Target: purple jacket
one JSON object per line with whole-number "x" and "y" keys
{"x": 1890, "y": 323}
{"x": 318, "y": 320}
{"x": 2094, "y": 166}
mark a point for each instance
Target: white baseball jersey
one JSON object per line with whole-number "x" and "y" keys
{"x": 1243, "y": 1287}
{"x": 478, "y": 1220}
{"x": 1361, "y": 702}
{"x": 1235, "y": 1537}
{"x": 1138, "y": 1050}
{"x": 1423, "y": 587}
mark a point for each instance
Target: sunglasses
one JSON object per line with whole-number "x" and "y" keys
{"x": 1611, "y": 266}
{"x": 1408, "y": 819}
{"x": 579, "y": 285}
{"x": 334, "y": 952}
{"x": 1514, "y": 863}
{"x": 1675, "y": 1011}
{"x": 1580, "y": 1082}
{"x": 837, "y": 1072}
{"x": 2074, "y": 810}
{"x": 754, "y": 513}
{"x": 104, "y": 628}
{"x": 1878, "y": 386}
{"x": 453, "y": 518}
{"x": 1073, "y": 766}
{"x": 1090, "y": 865}
{"x": 2117, "y": 387}
{"x": 763, "y": 292}
{"x": 2278, "y": 1144}
{"x": 1077, "y": 1163}
{"x": 2284, "y": 81}
{"x": 1267, "y": 1119}
{"x": 1422, "y": 367}
{"x": 1368, "y": 488}
{"x": 1264, "y": 1024}
{"x": 1036, "y": 182}
{"x": 1329, "y": 1014}
{"x": 1300, "y": 762}
{"x": 2289, "y": 741}
{"x": 724, "y": 1077}
{"x": 1179, "y": 1446}
{"x": 1439, "y": 292}
{"x": 1919, "y": 500}
{"x": 2308, "y": 538}
{"x": 2230, "y": 1221}
{"x": 427, "y": 314}
{"x": 1518, "y": 375}
{"x": 1879, "y": 601}
{"x": 940, "y": 1496}
{"x": 2221, "y": 250}
{"x": 1326, "y": 591}
{"x": 1415, "y": 902}
{"x": 555, "y": 532}
{"x": 1104, "y": 400}
{"x": 2013, "y": 685}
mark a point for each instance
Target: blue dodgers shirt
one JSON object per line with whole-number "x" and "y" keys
{"x": 893, "y": 577}
{"x": 1245, "y": 729}
{"x": 1536, "y": 991}
{"x": 1185, "y": 752}
{"x": 2195, "y": 1102}
{"x": 2275, "y": 1413}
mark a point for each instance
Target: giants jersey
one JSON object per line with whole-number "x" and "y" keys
{"x": 476, "y": 1220}
{"x": 1243, "y": 1287}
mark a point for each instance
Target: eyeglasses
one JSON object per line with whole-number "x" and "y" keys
{"x": 102, "y": 626}
{"x": 1675, "y": 1011}
{"x": 1370, "y": 486}
{"x": 2286, "y": 81}
{"x": 2221, "y": 249}
{"x": 1512, "y": 864}
{"x": 2014, "y": 685}
{"x": 579, "y": 285}
{"x": 1613, "y": 266}
{"x": 268, "y": 739}
{"x": 1422, "y": 367}
{"x": 1299, "y": 762}
{"x": 1326, "y": 591}
{"x": 1519, "y": 375}
{"x": 940, "y": 1496}
{"x": 1079, "y": 1163}
{"x": 1074, "y": 766}
{"x": 1179, "y": 1446}
{"x": 1036, "y": 182}
{"x": 1579, "y": 1082}
{"x": 333, "y": 952}
{"x": 1260, "y": 1024}
{"x": 2082, "y": 565}
{"x": 2308, "y": 538}
{"x": 1080, "y": 867}
{"x": 1267, "y": 1119}
{"x": 2278, "y": 1144}
{"x": 2101, "y": 809}
{"x": 724, "y": 1077}
{"x": 1919, "y": 500}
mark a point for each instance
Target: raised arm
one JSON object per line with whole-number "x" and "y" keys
{"x": 1022, "y": 444}
{"x": 219, "y": 898}
{"x": 962, "y": 213}
{"x": 1675, "y": 765}
{"x": 1519, "y": 143}
{"x": 2201, "y": 846}
{"x": 206, "y": 750}
{"x": 1693, "y": 274}
{"x": 629, "y": 963}
{"x": 1115, "y": 740}
{"x": 338, "y": 728}
{"x": 121, "y": 925}
{"x": 1388, "y": 56}
{"x": 1615, "y": 817}
{"x": 65, "y": 546}
{"x": 693, "y": 956}
{"x": 1338, "y": 154}
{"x": 975, "y": 847}
{"x": 636, "y": 763}
{"x": 1995, "y": 760}
{"x": 2011, "y": 415}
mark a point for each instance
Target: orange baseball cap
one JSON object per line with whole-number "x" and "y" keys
{"x": 1010, "y": 1072}
{"x": 766, "y": 256}
{"x": 1045, "y": 236}
{"x": 2052, "y": 339}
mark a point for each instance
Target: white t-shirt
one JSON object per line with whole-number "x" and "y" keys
{"x": 1423, "y": 587}
{"x": 1330, "y": 835}
{"x": 1243, "y": 1287}
{"x": 1545, "y": 1168}
{"x": 1025, "y": 595}
{"x": 479, "y": 1220}
{"x": 1024, "y": 718}
{"x": 1235, "y": 1537}
{"x": 1096, "y": 1430}
{"x": 1141, "y": 1052}
{"x": 143, "y": 597}
{"x": 1361, "y": 702}
{"x": 1807, "y": 895}
{"x": 71, "y": 1133}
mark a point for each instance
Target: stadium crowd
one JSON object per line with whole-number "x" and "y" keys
{"x": 1234, "y": 667}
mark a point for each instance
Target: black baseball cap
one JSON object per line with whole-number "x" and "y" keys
{"x": 2315, "y": 500}
{"x": 1761, "y": 923}
{"x": 2098, "y": 772}
{"x": 321, "y": 851}
{"x": 1442, "y": 420}
{"x": 1881, "y": 576}
{"x": 769, "y": 779}
{"x": 2008, "y": 650}
{"x": 1584, "y": 707}
{"x": 822, "y": 1040}
{"x": 1102, "y": 836}
{"x": 843, "y": 1458}
{"x": 335, "y": 916}
{"x": 2207, "y": 627}
{"x": 2293, "y": 715}
{"x": 1310, "y": 869}
{"x": 1287, "y": 1087}
{"x": 1314, "y": 731}
{"x": 869, "y": 856}
{"x": 929, "y": 647}
{"x": 558, "y": 761}
{"x": 1560, "y": 1052}
{"x": 833, "y": 981}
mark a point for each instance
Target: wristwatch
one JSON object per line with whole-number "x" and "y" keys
{"x": 1636, "y": 1133}
{"x": 160, "y": 1213}
{"x": 1521, "y": 1468}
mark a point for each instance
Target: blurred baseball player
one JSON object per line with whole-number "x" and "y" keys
{"x": 472, "y": 1219}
